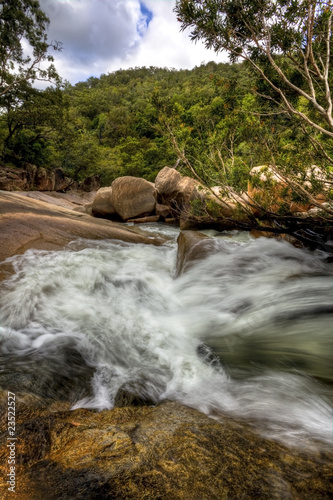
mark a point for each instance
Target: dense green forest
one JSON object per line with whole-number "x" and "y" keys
{"x": 117, "y": 124}
{"x": 127, "y": 123}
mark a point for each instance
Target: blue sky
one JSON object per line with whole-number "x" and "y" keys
{"x": 100, "y": 36}
{"x": 148, "y": 14}
{"x": 144, "y": 19}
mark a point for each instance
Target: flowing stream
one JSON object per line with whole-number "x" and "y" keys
{"x": 245, "y": 332}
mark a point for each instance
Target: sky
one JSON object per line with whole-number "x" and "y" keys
{"x": 102, "y": 36}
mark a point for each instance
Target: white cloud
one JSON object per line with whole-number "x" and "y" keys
{"x": 164, "y": 45}
{"x": 104, "y": 35}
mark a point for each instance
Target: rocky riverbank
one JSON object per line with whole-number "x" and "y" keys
{"x": 30, "y": 177}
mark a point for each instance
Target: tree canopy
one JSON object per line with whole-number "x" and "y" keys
{"x": 288, "y": 43}
{"x": 23, "y": 45}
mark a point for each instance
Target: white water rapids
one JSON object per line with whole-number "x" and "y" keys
{"x": 111, "y": 315}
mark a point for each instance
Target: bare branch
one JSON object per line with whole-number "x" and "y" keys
{"x": 326, "y": 72}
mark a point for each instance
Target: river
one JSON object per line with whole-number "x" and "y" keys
{"x": 246, "y": 332}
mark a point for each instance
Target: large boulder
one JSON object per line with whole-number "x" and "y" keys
{"x": 176, "y": 191}
{"x": 167, "y": 181}
{"x": 189, "y": 189}
{"x": 102, "y": 205}
{"x": 133, "y": 197}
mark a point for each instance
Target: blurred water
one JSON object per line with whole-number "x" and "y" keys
{"x": 85, "y": 322}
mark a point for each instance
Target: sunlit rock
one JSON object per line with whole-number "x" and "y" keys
{"x": 133, "y": 197}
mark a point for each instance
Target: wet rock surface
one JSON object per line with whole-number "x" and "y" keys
{"x": 63, "y": 200}
{"x": 192, "y": 247}
{"x": 158, "y": 452}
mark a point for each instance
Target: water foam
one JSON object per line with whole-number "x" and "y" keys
{"x": 138, "y": 328}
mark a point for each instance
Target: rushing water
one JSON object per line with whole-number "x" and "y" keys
{"x": 105, "y": 315}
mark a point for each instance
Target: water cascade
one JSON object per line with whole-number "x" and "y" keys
{"x": 245, "y": 332}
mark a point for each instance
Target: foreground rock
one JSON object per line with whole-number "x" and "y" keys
{"x": 133, "y": 197}
{"x": 28, "y": 223}
{"x": 162, "y": 452}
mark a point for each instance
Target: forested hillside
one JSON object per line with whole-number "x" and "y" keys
{"x": 115, "y": 125}
{"x": 129, "y": 122}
